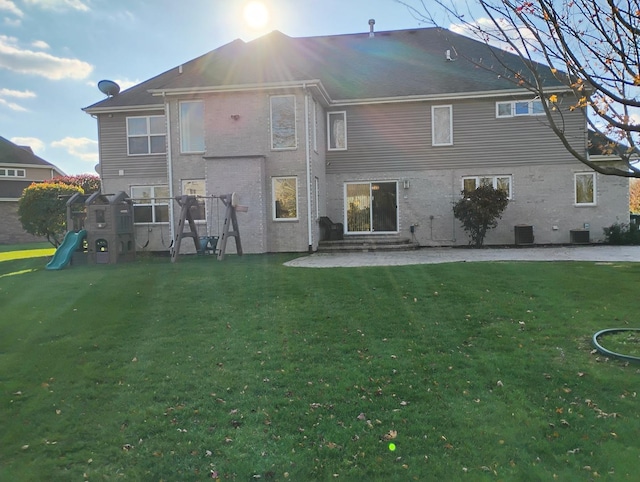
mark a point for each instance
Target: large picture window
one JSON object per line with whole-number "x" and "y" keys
{"x": 470, "y": 183}
{"x": 283, "y": 122}
{"x": 192, "y": 126}
{"x": 442, "y": 125}
{"x": 150, "y": 204}
{"x": 285, "y": 198}
{"x": 337, "y": 135}
{"x": 146, "y": 135}
{"x": 585, "y": 188}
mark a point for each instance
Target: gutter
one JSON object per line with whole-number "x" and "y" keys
{"x": 244, "y": 88}
{"x": 308, "y": 166}
{"x": 170, "y": 174}
{"x": 440, "y": 97}
{"x": 122, "y": 108}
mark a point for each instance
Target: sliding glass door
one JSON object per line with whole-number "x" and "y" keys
{"x": 371, "y": 207}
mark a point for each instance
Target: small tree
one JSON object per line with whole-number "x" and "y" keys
{"x": 42, "y": 209}
{"x": 479, "y": 211}
{"x": 634, "y": 196}
{"x": 89, "y": 183}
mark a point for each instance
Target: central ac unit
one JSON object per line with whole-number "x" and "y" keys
{"x": 523, "y": 234}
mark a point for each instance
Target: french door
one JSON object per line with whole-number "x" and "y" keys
{"x": 371, "y": 207}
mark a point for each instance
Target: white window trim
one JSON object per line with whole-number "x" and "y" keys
{"x": 153, "y": 204}
{"x": 273, "y": 199}
{"x": 18, "y": 173}
{"x": 575, "y": 189}
{"x": 344, "y": 117}
{"x": 182, "y": 146}
{"x": 433, "y": 125}
{"x": 494, "y": 178}
{"x": 295, "y": 123}
{"x": 513, "y": 103}
{"x": 148, "y": 136}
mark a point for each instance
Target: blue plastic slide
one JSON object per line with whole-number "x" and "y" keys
{"x": 64, "y": 252}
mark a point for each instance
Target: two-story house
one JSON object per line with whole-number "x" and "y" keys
{"x": 378, "y": 131}
{"x": 19, "y": 167}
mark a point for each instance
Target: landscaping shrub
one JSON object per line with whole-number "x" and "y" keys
{"x": 621, "y": 234}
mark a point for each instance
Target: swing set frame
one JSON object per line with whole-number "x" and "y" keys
{"x": 229, "y": 228}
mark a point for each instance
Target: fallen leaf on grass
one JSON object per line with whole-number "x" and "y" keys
{"x": 390, "y": 435}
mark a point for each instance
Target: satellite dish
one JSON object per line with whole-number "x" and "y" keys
{"x": 109, "y": 87}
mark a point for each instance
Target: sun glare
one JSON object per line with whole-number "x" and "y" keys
{"x": 256, "y": 15}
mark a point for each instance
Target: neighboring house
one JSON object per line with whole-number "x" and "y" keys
{"x": 380, "y": 132}
{"x": 19, "y": 167}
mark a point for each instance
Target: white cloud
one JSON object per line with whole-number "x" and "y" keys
{"x": 59, "y": 4}
{"x": 81, "y": 147}
{"x": 484, "y": 29}
{"x": 5, "y": 94}
{"x": 12, "y": 22}
{"x": 9, "y": 6}
{"x": 40, "y": 44}
{"x": 24, "y": 61}
{"x": 123, "y": 83}
{"x": 20, "y": 94}
{"x": 11, "y": 105}
{"x": 33, "y": 142}
{"x": 126, "y": 83}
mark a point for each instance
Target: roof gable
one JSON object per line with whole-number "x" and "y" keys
{"x": 11, "y": 153}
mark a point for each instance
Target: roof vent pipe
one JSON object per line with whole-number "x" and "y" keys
{"x": 372, "y": 22}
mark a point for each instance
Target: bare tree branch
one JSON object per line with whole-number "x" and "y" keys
{"x": 592, "y": 48}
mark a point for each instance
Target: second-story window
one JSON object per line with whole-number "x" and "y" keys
{"x": 146, "y": 135}
{"x": 337, "y": 127}
{"x": 192, "y": 126}
{"x": 12, "y": 172}
{"x": 283, "y": 122}
{"x": 442, "y": 125}
{"x": 519, "y": 108}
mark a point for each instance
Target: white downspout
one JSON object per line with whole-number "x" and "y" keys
{"x": 169, "y": 171}
{"x": 308, "y": 154}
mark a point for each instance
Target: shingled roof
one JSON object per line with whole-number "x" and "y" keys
{"x": 352, "y": 67}
{"x": 11, "y": 153}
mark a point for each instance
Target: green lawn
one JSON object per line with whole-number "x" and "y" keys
{"x": 251, "y": 370}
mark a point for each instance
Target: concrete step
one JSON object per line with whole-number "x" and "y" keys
{"x": 359, "y": 243}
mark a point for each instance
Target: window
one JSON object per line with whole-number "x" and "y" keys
{"x": 150, "y": 204}
{"x": 519, "y": 108}
{"x": 195, "y": 187}
{"x": 146, "y": 135}
{"x": 337, "y": 135}
{"x": 283, "y": 122}
{"x": 469, "y": 183}
{"x": 442, "y": 125}
{"x": 585, "y": 188}
{"x": 285, "y": 198}
{"x": 4, "y": 172}
{"x": 192, "y": 126}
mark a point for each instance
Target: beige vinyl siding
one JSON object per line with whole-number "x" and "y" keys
{"x": 397, "y": 137}
{"x": 113, "y": 150}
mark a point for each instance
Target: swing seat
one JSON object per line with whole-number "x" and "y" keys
{"x": 208, "y": 243}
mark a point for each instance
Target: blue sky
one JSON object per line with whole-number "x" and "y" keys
{"x": 54, "y": 52}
